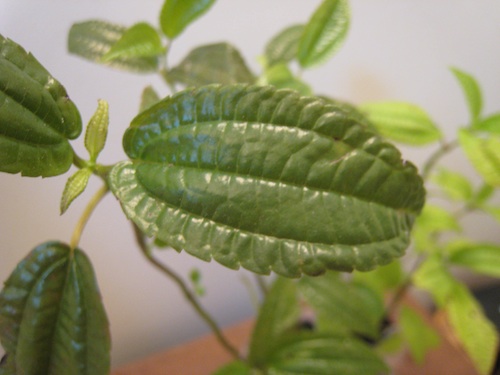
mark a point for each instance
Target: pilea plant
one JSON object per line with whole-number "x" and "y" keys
{"x": 254, "y": 171}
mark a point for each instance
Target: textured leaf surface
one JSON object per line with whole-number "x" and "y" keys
{"x": 36, "y": 116}
{"x": 97, "y": 130}
{"x": 94, "y": 38}
{"x": 176, "y": 15}
{"x": 213, "y": 63}
{"x": 75, "y": 186}
{"x": 283, "y": 47}
{"x": 266, "y": 179}
{"x": 51, "y": 316}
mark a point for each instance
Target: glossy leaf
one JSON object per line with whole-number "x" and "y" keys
{"x": 268, "y": 180}
{"x": 472, "y": 93}
{"x": 402, "y": 122}
{"x": 36, "y": 116}
{"x": 51, "y": 316}
{"x": 283, "y": 47}
{"x": 140, "y": 40}
{"x": 75, "y": 186}
{"x": 455, "y": 185}
{"x": 93, "y": 39}
{"x": 322, "y": 354}
{"x": 351, "y": 305}
{"x": 97, "y": 130}
{"x": 324, "y": 33}
{"x": 482, "y": 258}
{"x": 176, "y": 15}
{"x": 149, "y": 97}
{"x": 213, "y": 63}
{"x": 484, "y": 154}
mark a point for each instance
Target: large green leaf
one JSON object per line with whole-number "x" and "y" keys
{"x": 176, "y": 15}
{"x": 324, "y": 33}
{"x": 283, "y": 47}
{"x": 36, "y": 116}
{"x": 266, "y": 179}
{"x": 213, "y": 63}
{"x": 52, "y": 320}
{"x": 93, "y": 39}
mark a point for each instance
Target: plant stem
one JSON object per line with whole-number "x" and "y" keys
{"x": 436, "y": 156}
{"x": 146, "y": 250}
{"x": 77, "y": 232}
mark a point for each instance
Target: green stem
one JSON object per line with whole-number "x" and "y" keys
{"x": 77, "y": 232}
{"x": 146, "y": 250}
{"x": 436, "y": 156}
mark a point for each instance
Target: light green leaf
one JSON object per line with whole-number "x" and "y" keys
{"x": 490, "y": 124}
{"x": 493, "y": 211}
{"x": 483, "y": 153}
{"x": 75, "y": 186}
{"x": 266, "y": 179}
{"x": 196, "y": 281}
{"x": 97, "y": 130}
{"x": 176, "y": 15}
{"x": 477, "y": 334}
{"x": 324, "y": 33}
{"x": 350, "y": 305}
{"x": 420, "y": 337}
{"x": 472, "y": 93}
{"x": 52, "y": 320}
{"x": 278, "y": 315}
{"x": 281, "y": 77}
{"x": 140, "y": 40}
{"x": 382, "y": 279}
{"x": 402, "y": 122}
{"x": 149, "y": 97}
{"x": 455, "y": 185}
{"x": 283, "y": 47}
{"x": 483, "y": 194}
{"x": 235, "y": 368}
{"x": 480, "y": 257}
{"x": 93, "y": 39}
{"x": 36, "y": 116}
{"x": 213, "y": 63}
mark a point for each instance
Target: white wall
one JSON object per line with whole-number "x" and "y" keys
{"x": 397, "y": 49}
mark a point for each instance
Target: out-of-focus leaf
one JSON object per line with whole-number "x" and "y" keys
{"x": 382, "y": 279}
{"x": 454, "y": 184}
{"x": 483, "y": 153}
{"x": 402, "y": 122}
{"x": 480, "y": 257}
{"x": 434, "y": 277}
{"x": 36, "y": 116}
{"x": 94, "y": 38}
{"x": 234, "y": 368}
{"x": 483, "y": 194}
{"x": 52, "y": 320}
{"x": 472, "y": 92}
{"x": 283, "y": 47}
{"x": 281, "y": 77}
{"x": 213, "y": 63}
{"x": 420, "y": 337}
{"x": 140, "y": 40}
{"x": 75, "y": 186}
{"x": 490, "y": 124}
{"x": 97, "y": 130}
{"x": 324, "y": 33}
{"x": 266, "y": 179}
{"x": 149, "y": 97}
{"x": 176, "y": 15}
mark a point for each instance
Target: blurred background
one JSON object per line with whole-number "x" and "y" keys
{"x": 396, "y": 50}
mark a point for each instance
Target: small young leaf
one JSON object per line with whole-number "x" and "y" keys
{"x": 482, "y": 258}
{"x": 490, "y": 124}
{"x": 75, "y": 186}
{"x": 283, "y": 47}
{"x": 97, "y": 130}
{"x": 52, "y": 320}
{"x": 402, "y": 122}
{"x": 454, "y": 184}
{"x": 140, "y": 40}
{"x": 280, "y": 76}
{"x": 195, "y": 277}
{"x": 176, "y": 15}
{"x": 213, "y": 63}
{"x": 324, "y": 33}
{"x": 149, "y": 97}
{"x": 472, "y": 93}
{"x": 36, "y": 116}
{"x": 93, "y": 39}
{"x": 420, "y": 337}
{"x": 483, "y": 153}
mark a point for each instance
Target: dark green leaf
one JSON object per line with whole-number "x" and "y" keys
{"x": 93, "y": 39}
{"x": 490, "y": 124}
{"x": 402, "y": 122}
{"x": 278, "y": 315}
{"x": 75, "y": 186}
{"x": 52, "y": 320}
{"x": 213, "y": 63}
{"x": 97, "y": 130}
{"x": 350, "y": 305}
{"x": 176, "y": 15}
{"x": 321, "y": 354}
{"x": 455, "y": 185}
{"x": 472, "y": 93}
{"x": 482, "y": 258}
{"x": 140, "y": 40}
{"x": 234, "y": 368}
{"x": 149, "y": 97}
{"x": 283, "y": 47}
{"x": 266, "y": 179}
{"x": 324, "y": 33}
{"x": 36, "y": 116}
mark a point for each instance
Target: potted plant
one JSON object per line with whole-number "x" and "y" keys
{"x": 254, "y": 171}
